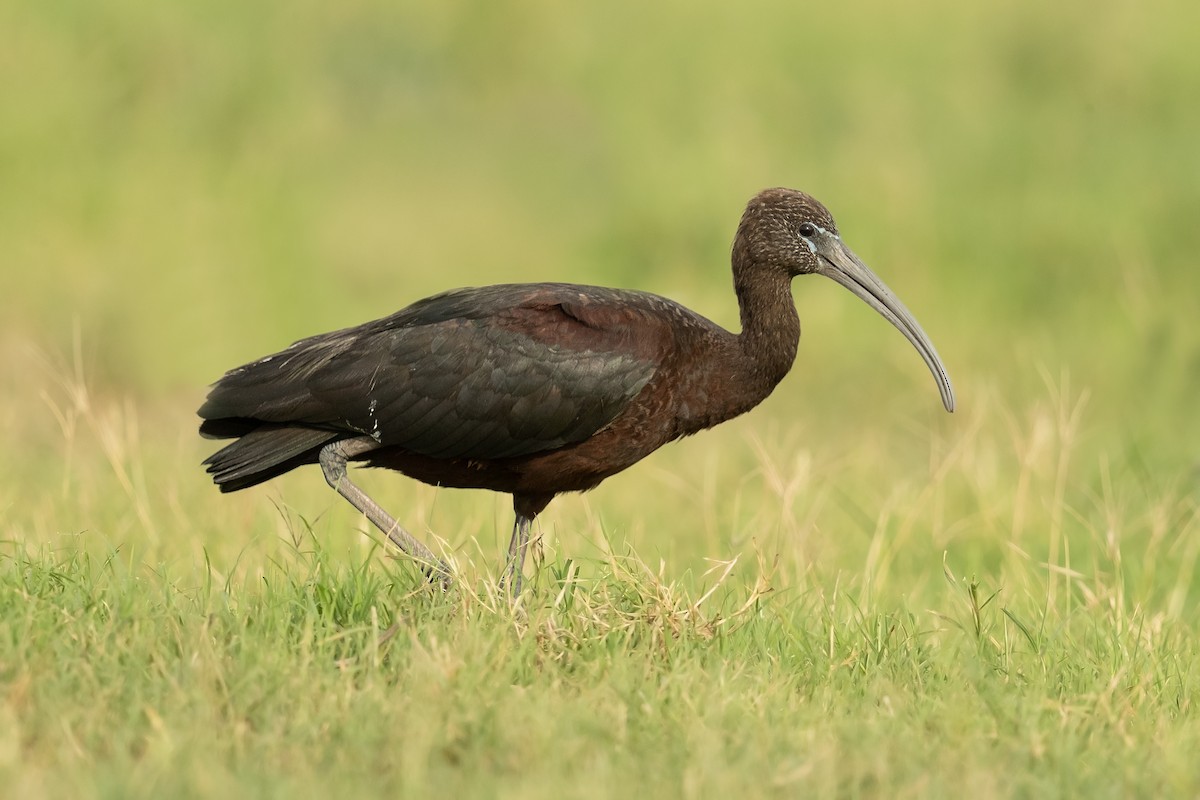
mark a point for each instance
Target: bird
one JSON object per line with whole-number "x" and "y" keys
{"x": 535, "y": 389}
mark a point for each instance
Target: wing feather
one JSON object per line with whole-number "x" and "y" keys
{"x": 478, "y": 374}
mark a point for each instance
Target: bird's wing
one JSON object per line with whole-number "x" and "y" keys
{"x": 467, "y": 375}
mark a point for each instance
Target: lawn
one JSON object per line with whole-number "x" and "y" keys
{"x": 847, "y": 592}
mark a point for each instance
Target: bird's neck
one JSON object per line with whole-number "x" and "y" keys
{"x": 746, "y": 367}
{"x": 770, "y": 328}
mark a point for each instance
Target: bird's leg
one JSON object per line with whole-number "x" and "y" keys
{"x": 333, "y": 463}
{"x": 516, "y": 553}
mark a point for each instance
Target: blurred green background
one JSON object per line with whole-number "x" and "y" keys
{"x": 186, "y": 186}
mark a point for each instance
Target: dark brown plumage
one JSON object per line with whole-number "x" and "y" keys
{"x": 534, "y": 389}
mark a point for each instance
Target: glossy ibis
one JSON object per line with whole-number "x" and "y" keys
{"x": 535, "y": 389}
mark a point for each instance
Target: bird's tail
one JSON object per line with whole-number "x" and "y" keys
{"x": 263, "y": 453}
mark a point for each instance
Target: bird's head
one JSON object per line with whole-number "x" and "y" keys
{"x": 781, "y": 229}
{"x": 784, "y": 230}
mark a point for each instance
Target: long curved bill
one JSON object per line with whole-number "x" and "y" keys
{"x": 839, "y": 263}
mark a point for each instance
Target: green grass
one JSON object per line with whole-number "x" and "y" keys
{"x": 845, "y": 593}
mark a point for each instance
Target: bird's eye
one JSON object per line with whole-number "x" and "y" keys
{"x": 808, "y": 229}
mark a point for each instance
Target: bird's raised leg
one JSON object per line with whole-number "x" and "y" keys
{"x": 333, "y": 463}
{"x": 516, "y": 554}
